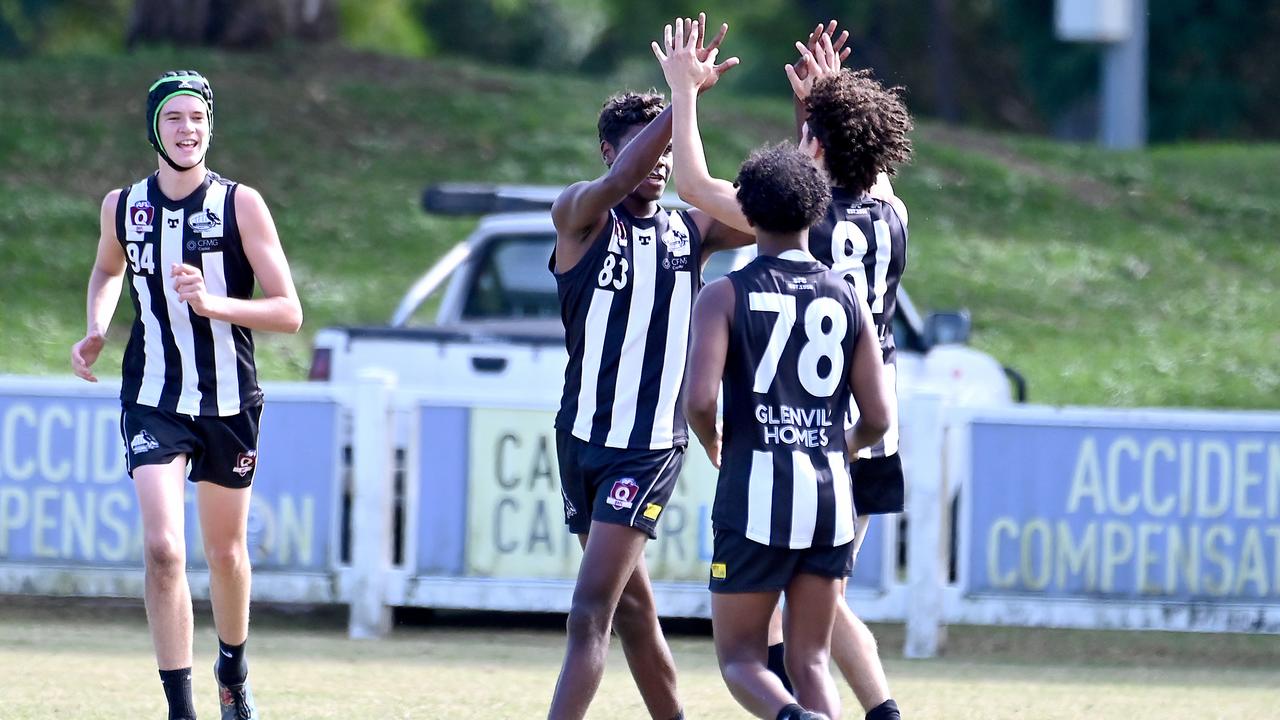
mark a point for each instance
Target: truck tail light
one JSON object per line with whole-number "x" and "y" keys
{"x": 321, "y": 364}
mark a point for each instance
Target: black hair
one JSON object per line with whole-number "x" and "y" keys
{"x": 862, "y": 126}
{"x": 625, "y": 110}
{"x": 781, "y": 190}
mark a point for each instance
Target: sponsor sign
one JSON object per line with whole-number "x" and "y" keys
{"x": 66, "y": 498}
{"x": 516, "y": 511}
{"x": 1122, "y": 512}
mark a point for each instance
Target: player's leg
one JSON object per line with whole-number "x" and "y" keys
{"x": 747, "y": 579}
{"x": 777, "y": 649}
{"x": 853, "y": 647}
{"x": 811, "y": 602}
{"x": 740, "y": 628}
{"x": 648, "y": 655}
{"x": 157, "y": 444}
{"x": 161, "y": 491}
{"x": 609, "y": 557}
{"x": 224, "y": 470}
{"x": 224, "y": 518}
{"x": 879, "y": 488}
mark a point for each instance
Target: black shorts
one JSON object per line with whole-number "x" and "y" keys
{"x": 612, "y": 485}
{"x": 878, "y": 485}
{"x": 740, "y": 564}
{"x": 222, "y": 450}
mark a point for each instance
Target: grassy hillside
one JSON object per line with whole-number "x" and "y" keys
{"x": 1114, "y": 279}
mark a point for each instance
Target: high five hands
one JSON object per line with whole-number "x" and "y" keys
{"x": 686, "y": 63}
{"x": 820, "y": 57}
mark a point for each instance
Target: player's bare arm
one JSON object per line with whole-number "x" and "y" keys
{"x": 104, "y": 291}
{"x": 867, "y": 383}
{"x": 883, "y": 190}
{"x": 709, "y": 334}
{"x": 803, "y": 70}
{"x": 582, "y": 209}
{"x": 687, "y": 74}
{"x": 278, "y": 310}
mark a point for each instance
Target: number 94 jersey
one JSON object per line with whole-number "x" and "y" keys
{"x": 784, "y": 480}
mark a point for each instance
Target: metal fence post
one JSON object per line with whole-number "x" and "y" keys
{"x": 926, "y": 521}
{"x": 371, "y": 534}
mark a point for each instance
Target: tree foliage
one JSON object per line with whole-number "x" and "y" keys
{"x": 230, "y": 23}
{"x": 1214, "y": 69}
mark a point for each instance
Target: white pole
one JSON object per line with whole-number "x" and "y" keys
{"x": 926, "y": 520}
{"x": 1124, "y": 86}
{"x": 371, "y": 532}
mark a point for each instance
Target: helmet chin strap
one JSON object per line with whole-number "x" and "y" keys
{"x": 169, "y": 161}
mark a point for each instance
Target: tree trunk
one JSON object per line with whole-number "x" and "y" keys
{"x": 231, "y": 23}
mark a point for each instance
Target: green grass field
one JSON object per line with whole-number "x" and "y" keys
{"x": 1111, "y": 279}
{"x": 91, "y": 660}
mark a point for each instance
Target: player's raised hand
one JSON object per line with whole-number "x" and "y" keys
{"x": 686, "y": 63}
{"x": 188, "y": 281}
{"x": 85, "y": 353}
{"x": 813, "y": 66}
{"x": 679, "y": 56}
{"x": 828, "y": 55}
{"x": 708, "y": 52}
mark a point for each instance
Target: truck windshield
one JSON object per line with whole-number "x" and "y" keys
{"x": 511, "y": 280}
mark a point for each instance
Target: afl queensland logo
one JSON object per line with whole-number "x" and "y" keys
{"x": 204, "y": 221}
{"x": 623, "y": 494}
{"x": 141, "y": 216}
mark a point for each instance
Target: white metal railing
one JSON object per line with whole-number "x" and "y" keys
{"x": 452, "y": 501}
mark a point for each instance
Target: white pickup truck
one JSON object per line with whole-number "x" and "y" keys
{"x": 496, "y": 335}
{"x": 475, "y": 352}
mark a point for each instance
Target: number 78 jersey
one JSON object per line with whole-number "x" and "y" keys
{"x": 784, "y": 480}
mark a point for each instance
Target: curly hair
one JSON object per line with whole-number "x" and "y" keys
{"x": 862, "y": 126}
{"x": 781, "y": 190}
{"x": 625, "y": 110}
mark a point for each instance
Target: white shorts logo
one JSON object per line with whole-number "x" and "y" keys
{"x": 569, "y": 509}
{"x": 142, "y": 442}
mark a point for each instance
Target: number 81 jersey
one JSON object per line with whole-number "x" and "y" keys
{"x": 626, "y": 308}
{"x": 784, "y": 480}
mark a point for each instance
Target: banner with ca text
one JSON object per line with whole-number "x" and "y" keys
{"x": 515, "y": 512}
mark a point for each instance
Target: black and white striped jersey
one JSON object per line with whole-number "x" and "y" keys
{"x": 626, "y": 308}
{"x": 865, "y": 240}
{"x": 177, "y": 360}
{"x": 784, "y": 478}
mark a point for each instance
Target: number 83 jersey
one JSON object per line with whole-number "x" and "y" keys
{"x": 626, "y": 308}
{"x": 784, "y": 480}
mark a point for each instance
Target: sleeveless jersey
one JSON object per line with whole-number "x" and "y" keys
{"x": 784, "y": 480}
{"x": 626, "y": 308}
{"x": 177, "y": 360}
{"x": 865, "y": 240}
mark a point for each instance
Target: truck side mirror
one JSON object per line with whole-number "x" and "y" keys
{"x": 950, "y": 327}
